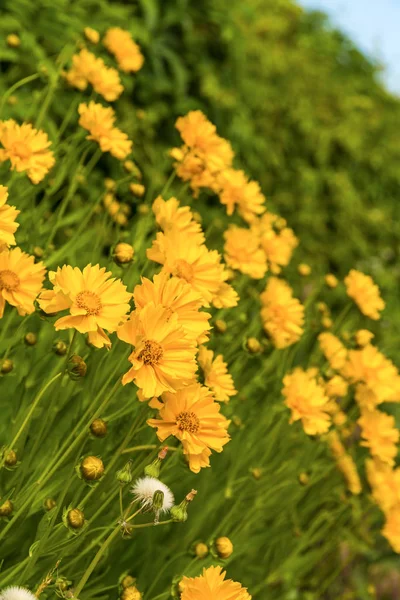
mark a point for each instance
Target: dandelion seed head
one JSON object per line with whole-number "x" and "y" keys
{"x": 15, "y": 592}
{"x": 145, "y": 488}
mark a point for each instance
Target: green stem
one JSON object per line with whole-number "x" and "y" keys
{"x": 15, "y": 87}
{"x": 149, "y": 447}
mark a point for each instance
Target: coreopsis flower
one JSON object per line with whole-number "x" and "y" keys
{"x": 377, "y": 378}
{"x": 216, "y": 375}
{"x": 127, "y": 53}
{"x": 99, "y": 121}
{"x": 26, "y": 148}
{"x": 95, "y": 302}
{"x": 242, "y": 252}
{"x": 225, "y": 297}
{"x": 192, "y": 416}
{"x": 282, "y": 314}
{"x": 278, "y": 244}
{"x": 171, "y": 216}
{"x": 20, "y": 280}
{"x": 334, "y": 351}
{"x": 178, "y": 298}
{"x": 8, "y": 225}
{"x": 212, "y": 585}
{"x": 363, "y": 337}
{"x": 379, "y": 434}
{"x": 87, "y": 68}
{"x": 391, "y": 529}
{"x": 144, "y": 490}
{"x": 365, "y": 293}
{"x": 15, "y": 592}
{"x": 345, "y": 463}
{"x": 336, "y": 387}
{"x": 307, "y": 400}
{"x": 235, "y": 190}
{"x": 163, "y": 358}
{"x": 385, "y": 484}
{"x": 182, "y": 257}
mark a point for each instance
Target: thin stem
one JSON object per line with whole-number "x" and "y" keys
{"x": 152, "y": 524}
{"x": 168, "y": 183}
{"x": 15, "y": 87}
{"x": 149, "y": 447}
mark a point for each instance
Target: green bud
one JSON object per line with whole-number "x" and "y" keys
{"x": 76, "y": 367}
{"x": 179, "y": 512}
{"x": 153, "y": 469}
{"x": 158, "y": 500}
{"x": 124, "y": 475}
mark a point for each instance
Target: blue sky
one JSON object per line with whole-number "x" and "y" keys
{"x": 374, "y": 25}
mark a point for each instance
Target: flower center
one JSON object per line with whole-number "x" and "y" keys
{"x": 152, "y": 352}
{"x": 9, "y": 280}
{"x": 22, "y": 150}
{"x": 89, "y": 301}
{"x": 183, "y": 270}
{"x": 188, "y": 421}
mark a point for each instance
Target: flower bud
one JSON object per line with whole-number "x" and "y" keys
{"x": 363, "y": 337}
{"x": 13, "y": 40}
{"x": 257, "y": 473}
{"x": 12, "y": 100}
{"x": 253, "y": 345}
{"x": 49, "y": 503}
{"x": 7, "y": 366}
{"x": 121, "y": 219}
{"x": 75, "y": 518}
{"x": 109, "y": 184}
{"x": 322, "y": 307}
{"x": 30, "y": 338}
{"x": 223, "y": 547}
{"x": 38, "y": 252}
{"x": 129, "y": 166}
{"x": 153, "y": 469}
{"x": 10, "y": 458}
{"x": 6, "y": 508}
{"x": 331, "y": 281}
{"x": 304, "y": 270}
{"x": 197, "y": 217}
{"x": 179, "y": 512}
{"x": 143, "y": 209}
{"x": 124, "y": 475}
{"x": 131, "y": 593}
{"x": 304, "y": 478}
{"x": 127, "y": 580}
{"x": 76, "y": 367}
{"x": 137, "y": 189}
{"x": 91, "y": 35}
{"x": 98, "y": 428}
{"x": 123, "y": 253}
{"x": 60, "y": 348}
{"x": 92, "y": 468}
{"x": 201, "y": 550}
{"x": 220, "y": 326}
{"x": 327, "y": 322}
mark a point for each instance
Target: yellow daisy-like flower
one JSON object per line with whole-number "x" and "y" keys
{"x": 178, "y": 298}
{"x": 192, "y": 416}
{"x": 225, "y": 296}
{"x": 20, "y": 280}
{"x": 363, "y": 337}
{"x": 95, "y": 301}
{"x": 307, "y": 401}
{"x": 336, "y": 387}
{"x": 182, "y": 257}
{"x": 242, "y": 252}
{"x": 212, "y": 585}
{"x": 235, "y": 190}
{"x": 379, "y": 434}
{"x": 282, "y": 314}
{"x": 345, "y": 463}
{"x": 127, "y": 53}
{"x": 87, "y": 68}
{"x": 391, "y": 529}
{"x": 163, "y": 359}
{"x": 8, "y": 225}
{"x": 216, "y": 375}
{"x": 334, "y": 351}
{"x": 99, "y": 121}
{"x": 365, "y": 293}
{"x": 278, "y": 244}
{"x": 385, "y": 484}
{"x": 26, "y": 148}
{"x": 377, "y": 377}
{"x": 171, "y": 216}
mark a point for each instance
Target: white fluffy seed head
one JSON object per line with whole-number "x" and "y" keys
{"x": 16, "y": 593}
{"x": 144, "y": 490}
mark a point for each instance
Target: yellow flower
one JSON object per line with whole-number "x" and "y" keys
{"x": 216, "y": 375}
{"x": 385, "y": 484}
{"x": 307, "y": 400}
{"x": 331, "y": 281}
{"x": 20, "y": 280}
{"x": 365, "y": 294}
{"x": 178, "y": 298}
{"x": 225, "y": 296}
{"x": 377, "y": 378}
{"x": 282, "y": 314}
{"x": 243, "y": 252}
{"x": 99, "y": 121}
{"x": 391, "y": 529}
{"x": 8, "y": 214}
{"x": 333, "y": 349}
{"x": 304, "y": 269}
{"x": 92, "y": 35}
{"x": 345, "y": 463}
{"x": 212, "y": 585}
{"x": 170, "y": 216}
{"x": 235, "y": 189}
{"x": 87, "y": 68}
{"x": 278, "y": 244}
{"x": 363, "y": 337}
{"x": 336, "y": 387}
{"x": 127, "y": 53}
{"x": 94, "y": 301}
{"x": 182, "y": 257}
{"x": 379, "y": 434}
{"x": 193, "y": 417}
{"x": 163, "y": 358}
{"x": 26, "y": 148}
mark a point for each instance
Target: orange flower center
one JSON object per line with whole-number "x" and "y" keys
{"x": 183, "y": 270}
{"x": 9, "y": 280}
{"x": 89, "y": 301}
{"x": 188, "y": 421}
{"x": 22, "y": 150}
{"x": 152, "y": 352}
